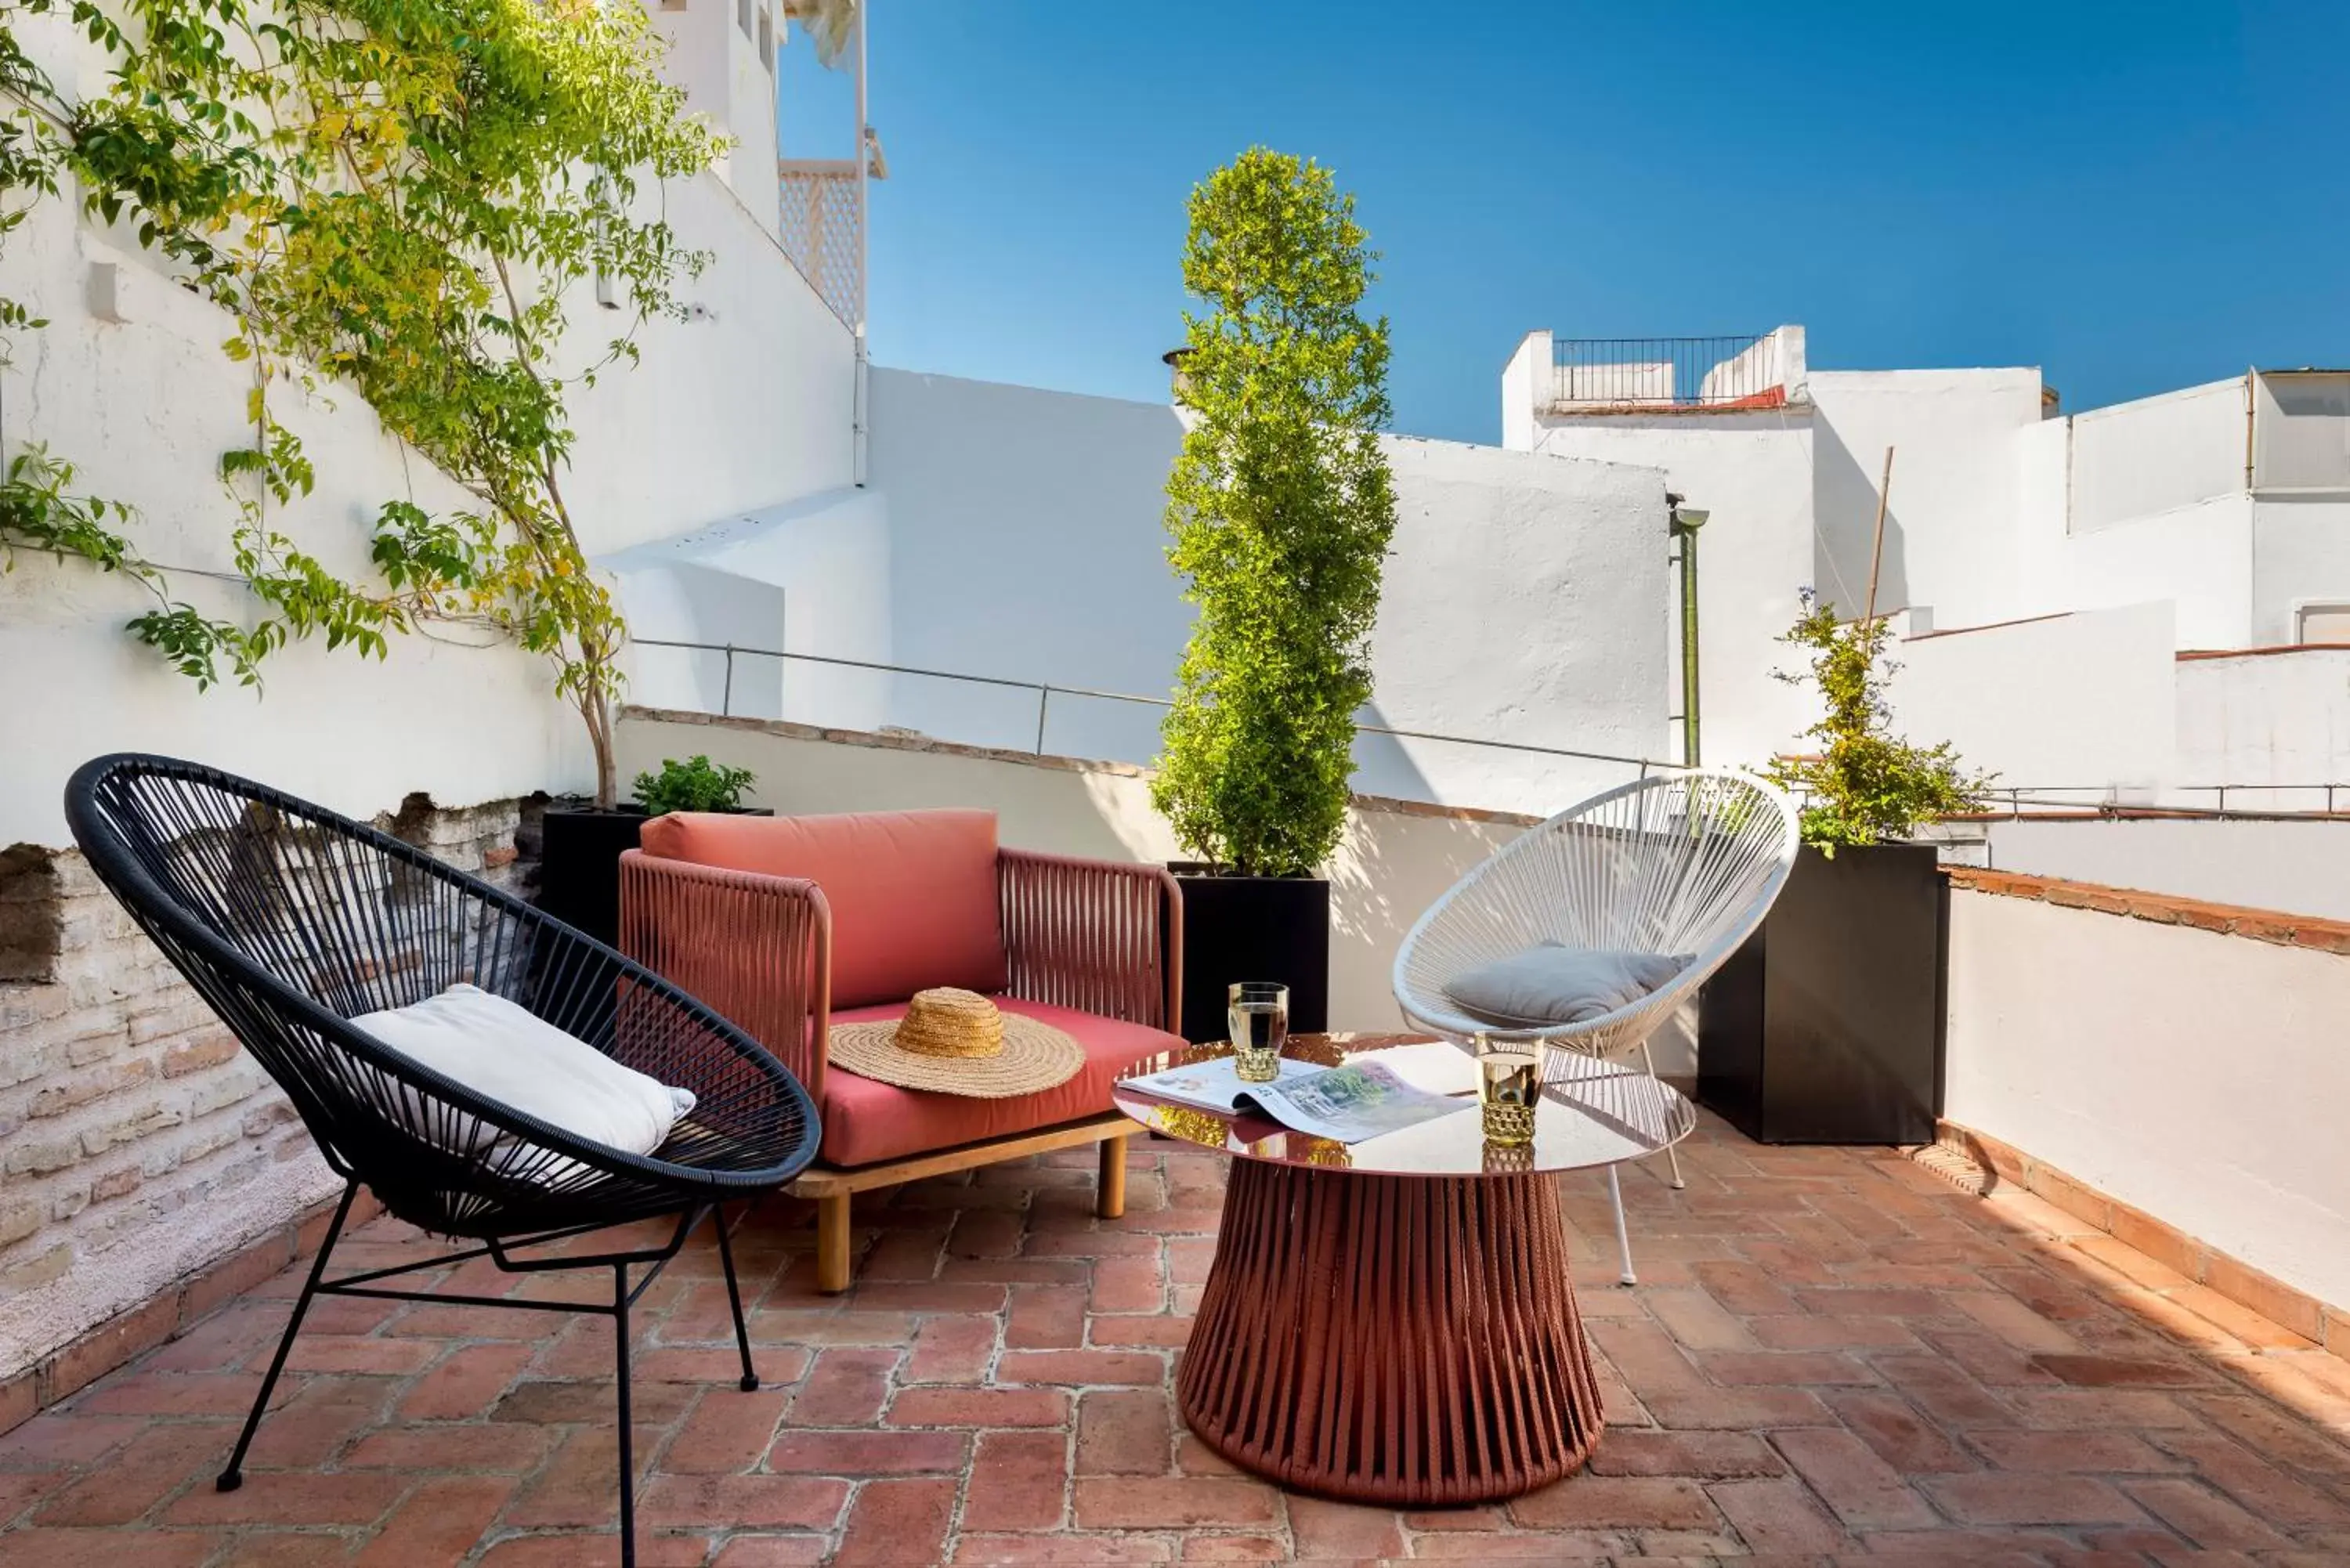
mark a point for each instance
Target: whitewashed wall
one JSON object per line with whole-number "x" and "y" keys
{"x": 715, "y": 56}
{"x": 1026, "y": 542}
{"x": 2194, "y": 1076}
{"x": 2300, "y": 867}
{"x": 748, "y": 404}
{"x": 2267, "y": 719}
{"x": 1951, "y": 527}
{"x": 809, "y": 577}
{"x": 1524, "y": 600}
{"x": 2074, "y": 700}
{"x": 1753, "y": 473}
{"x": 2299, "y": 555}
{"x": 2157, "y": 454}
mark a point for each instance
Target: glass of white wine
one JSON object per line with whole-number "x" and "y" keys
{"x": 1257, "y": 1012}
{"x": 1509, "y": 1085}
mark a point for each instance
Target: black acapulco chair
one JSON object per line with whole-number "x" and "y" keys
{"x": 289, "y": 920}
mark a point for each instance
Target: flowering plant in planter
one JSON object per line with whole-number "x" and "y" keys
{"x": 1866, "y": 784}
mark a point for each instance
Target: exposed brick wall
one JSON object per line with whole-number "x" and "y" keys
{"x": 123, "y": 1101}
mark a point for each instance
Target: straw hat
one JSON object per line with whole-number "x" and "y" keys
{"x": 956, "y": 1042}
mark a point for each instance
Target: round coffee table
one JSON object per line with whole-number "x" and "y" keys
{"x": 1391, "y": 1320}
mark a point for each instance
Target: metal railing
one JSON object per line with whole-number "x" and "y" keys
{"x": 1636, "y": 373}
{"x": 2228, "y": 800}
{"x": 1046, "y": 692}
{"x": 2251, "y": 800}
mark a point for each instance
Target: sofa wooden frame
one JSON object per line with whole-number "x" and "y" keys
{"x": 1098, "y": 936}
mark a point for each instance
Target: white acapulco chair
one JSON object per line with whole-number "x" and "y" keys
{"x": 1681, "y": 862}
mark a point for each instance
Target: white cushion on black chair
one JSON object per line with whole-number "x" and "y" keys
{"x": 505, "y": 1053}
{"x": 1553, "y": 983}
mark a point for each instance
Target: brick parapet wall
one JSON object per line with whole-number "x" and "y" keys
{"x": 2163, "y": 908}
{"x": 124, "y": 1104}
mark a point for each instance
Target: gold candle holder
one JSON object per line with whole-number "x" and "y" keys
{"x": 1509, "y": 1086}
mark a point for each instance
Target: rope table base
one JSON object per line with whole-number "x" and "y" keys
{"x": 1391, "y": 1339}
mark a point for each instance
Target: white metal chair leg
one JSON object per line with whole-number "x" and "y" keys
{"x": 1672, "y": 1152}
{"x": 1623, "y": 1236}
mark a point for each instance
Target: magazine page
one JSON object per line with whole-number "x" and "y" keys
{"x": 1213, "y": 1086}
{"x": 1347, "y": 1104}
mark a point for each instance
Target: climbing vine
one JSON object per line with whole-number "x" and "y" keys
{"x": 397, "y": 199}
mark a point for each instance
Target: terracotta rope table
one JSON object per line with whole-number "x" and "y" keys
{"x": 1391, "y": 1320}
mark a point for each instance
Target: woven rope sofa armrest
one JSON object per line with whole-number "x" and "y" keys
{"x": 757, "y": 950}
{"x": 1099, "y": 936}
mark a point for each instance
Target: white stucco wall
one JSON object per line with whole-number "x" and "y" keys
{"x": 2078, "y": 700}
{"x": 1525, "y": 387}
{"x": 2299, "y": 555}
{"x": 748, "y": 404}
{"x": 1027, "y": 542}
{"x": 2157, "y": 454}
{"x": 716, "y": 60}
{"x": 1521, "y": 604}
{"x": 807, "y": 577}
{"x": 2194, "y": 1076}
{"x": 2267, "y": 719}
{"x": 1753, "y": 473}
{"x": 2299, "y": 866}
{"x": 1951, "y": 526}
{"x": 1524, "y": 598}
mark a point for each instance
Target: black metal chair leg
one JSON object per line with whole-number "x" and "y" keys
{"x": 734, "y": 1299}
{"x": 628, "y": 1432}
{"x": 234, "y": 1477}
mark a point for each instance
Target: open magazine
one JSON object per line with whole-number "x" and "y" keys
{"x": 1348, "y": 1103}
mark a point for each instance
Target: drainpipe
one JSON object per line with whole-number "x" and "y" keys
{"x": 1686, "y": 521}
{"x": 861, "y": 406}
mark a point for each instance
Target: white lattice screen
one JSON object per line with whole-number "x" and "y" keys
{"x": 819, "y": 231}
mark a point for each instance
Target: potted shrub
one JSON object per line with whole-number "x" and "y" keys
{"x": 1827, "y": 1025}
{"x": 579, "y": 868}
{"x": 1281, "y": 508}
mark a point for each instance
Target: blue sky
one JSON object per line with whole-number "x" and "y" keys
{"x": 2135, "y": 197}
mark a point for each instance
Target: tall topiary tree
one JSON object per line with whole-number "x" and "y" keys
{"x": 1282, "y": 508}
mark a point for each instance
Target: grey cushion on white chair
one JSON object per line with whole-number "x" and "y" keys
{"x": 1555, "y": 983}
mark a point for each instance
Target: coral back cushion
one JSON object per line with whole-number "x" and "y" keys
{"x": 912, "y": 893}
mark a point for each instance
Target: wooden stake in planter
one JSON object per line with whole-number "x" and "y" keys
{"x": 1876, "y": 550}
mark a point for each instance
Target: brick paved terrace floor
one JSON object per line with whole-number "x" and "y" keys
{"x": 1834, "y": 1356}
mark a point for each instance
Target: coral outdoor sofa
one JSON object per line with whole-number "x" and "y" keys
{"x": 786, "y": 925}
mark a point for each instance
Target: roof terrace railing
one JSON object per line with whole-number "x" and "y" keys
{"x": 1045, "y": 692}
{"x": 1639, "y": 375}
{"x": 2233, "y": 801}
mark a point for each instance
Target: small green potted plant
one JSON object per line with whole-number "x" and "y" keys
{"x": 579, "y": 873}
{"x": 1827, "y": 1025}
{"x": 1281, "y": 507}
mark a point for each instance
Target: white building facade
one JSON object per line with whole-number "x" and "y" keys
{"x": 2204, "y": 522}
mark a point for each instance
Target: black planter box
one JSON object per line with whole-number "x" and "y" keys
{"x": 1254, "y": 928}
{"x": 579, "y": 866}
{"x": 1826, "y": 1026}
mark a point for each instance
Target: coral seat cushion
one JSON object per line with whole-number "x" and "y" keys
{"x": 867, "y": 1122}
{"x": 913, "y": 894}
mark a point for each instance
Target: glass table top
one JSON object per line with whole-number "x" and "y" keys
{"x": 1592, "y": 1113}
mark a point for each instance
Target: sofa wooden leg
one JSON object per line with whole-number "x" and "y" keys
{"x": 1109, "y": 1187}
{"x": 832, "y": 1243}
